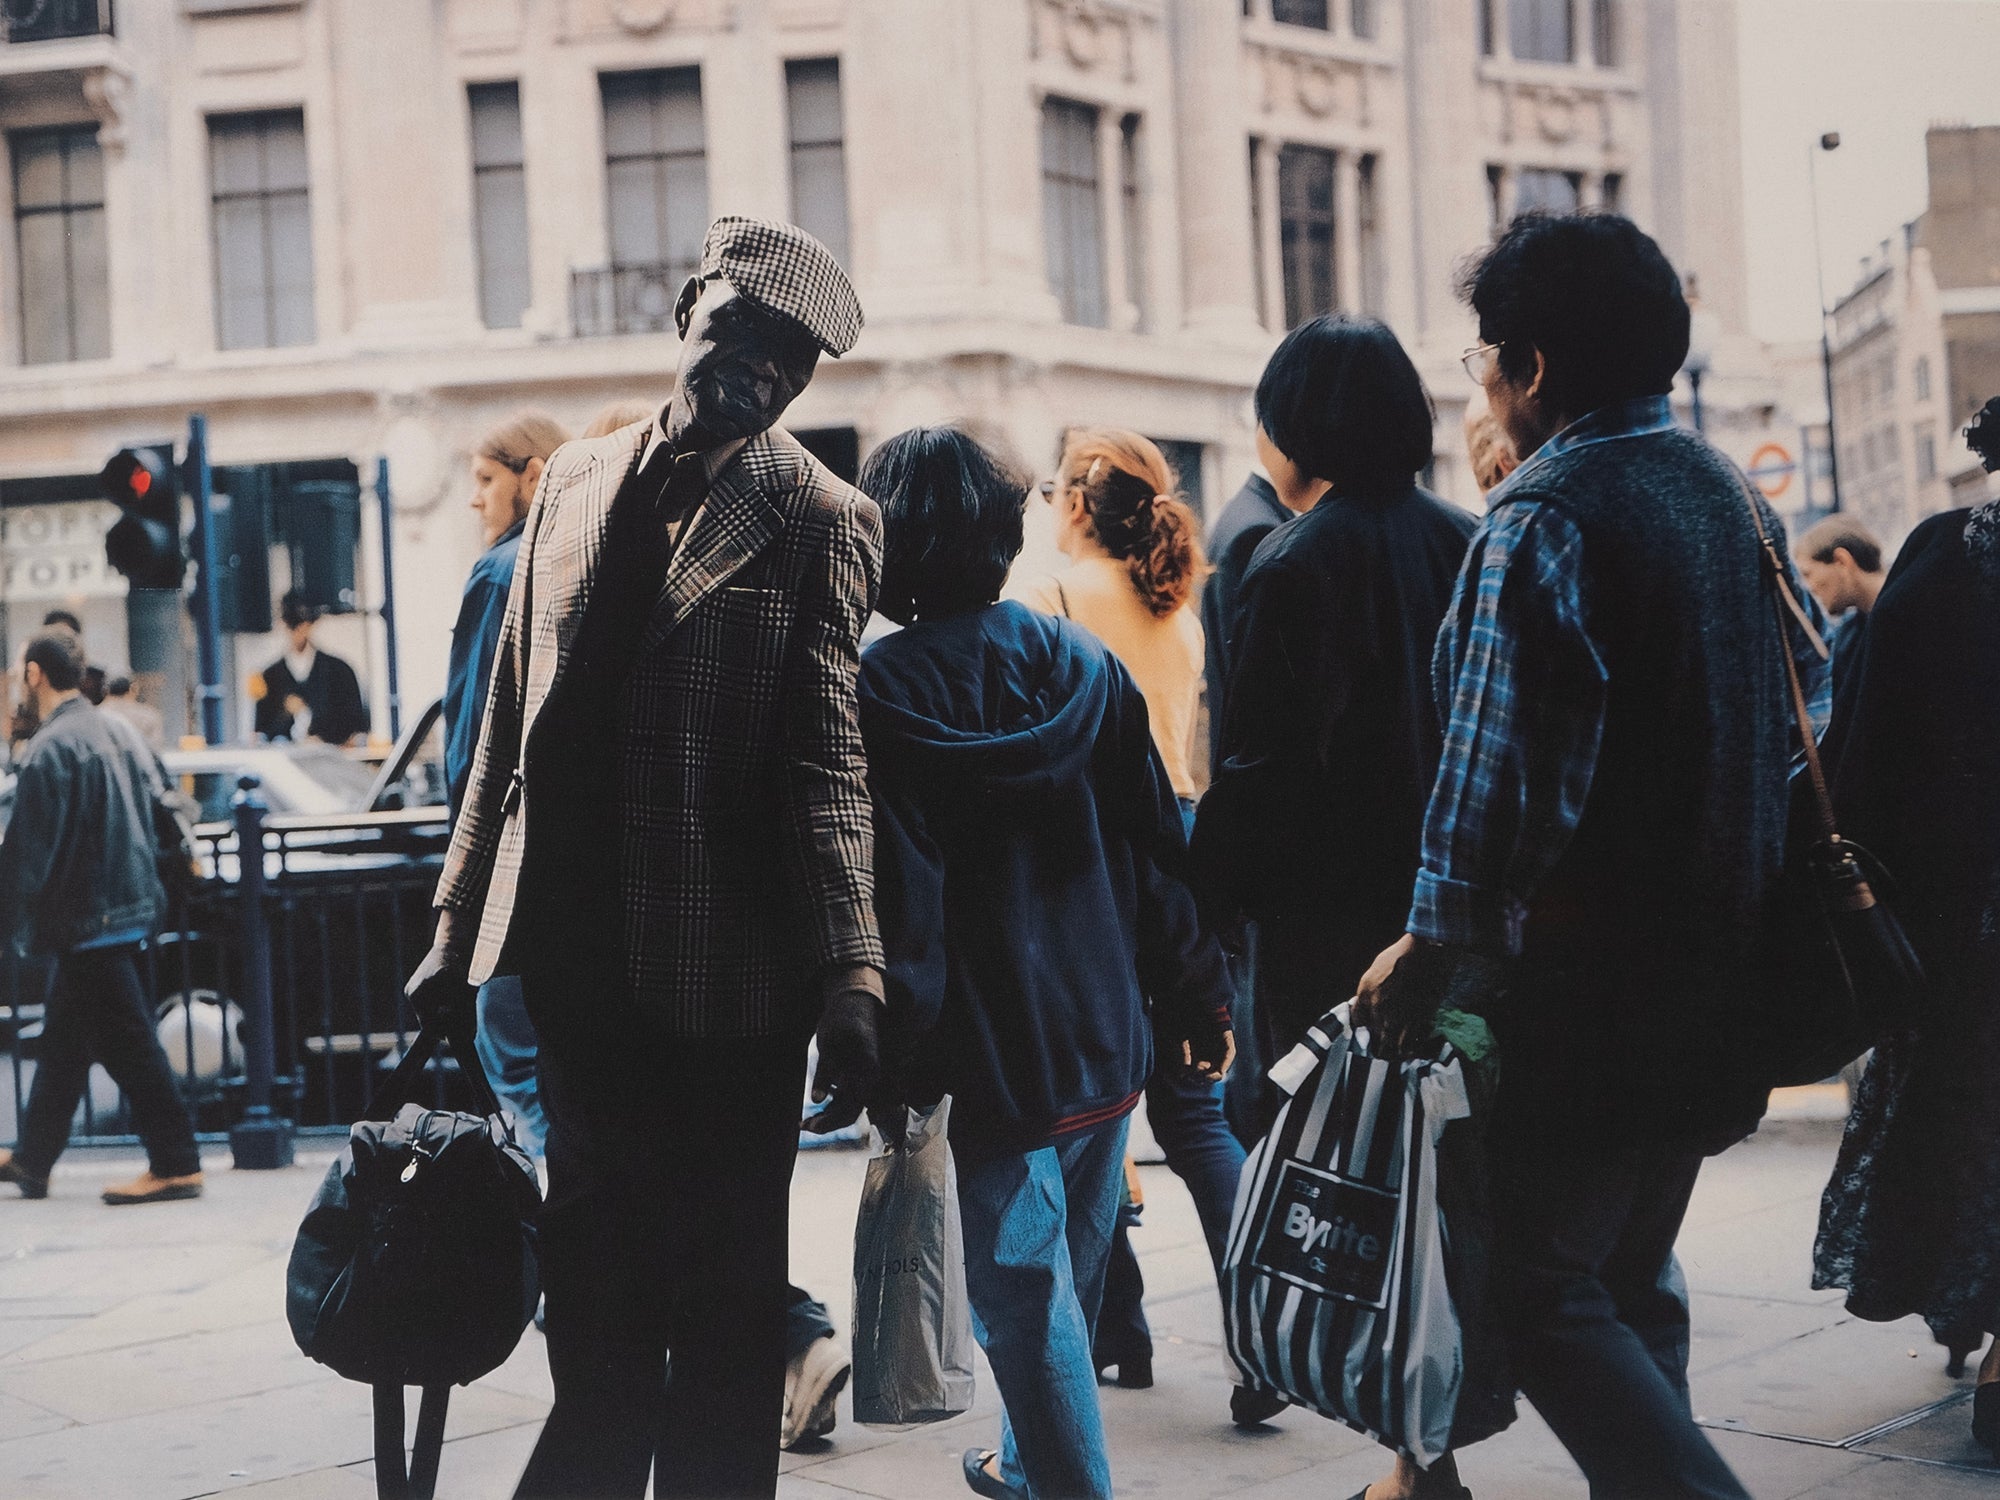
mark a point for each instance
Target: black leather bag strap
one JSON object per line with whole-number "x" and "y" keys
{"x": 400, "y": 1087}
{"x": 419, "y": 1480}
{"x": 1789, "y": 611}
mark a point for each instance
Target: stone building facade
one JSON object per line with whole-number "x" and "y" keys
{"x": 350, "y": 228}
{"x": 1916, "y": 345}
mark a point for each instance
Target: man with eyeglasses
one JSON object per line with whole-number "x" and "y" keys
{"x": 1604, "y": 832}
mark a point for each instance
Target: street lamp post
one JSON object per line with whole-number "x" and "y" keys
{"x": 1827, "y": 142}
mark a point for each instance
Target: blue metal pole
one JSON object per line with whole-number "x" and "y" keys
{"x": 261, "y": 1139}
{"x": 389, "y": 593}
{"x": 208, "y": 598}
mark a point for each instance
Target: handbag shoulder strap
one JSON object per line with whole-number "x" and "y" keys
{"x": 1788, "y": 610}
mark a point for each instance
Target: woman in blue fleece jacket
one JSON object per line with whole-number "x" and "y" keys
{"x": 1040, "y": 938}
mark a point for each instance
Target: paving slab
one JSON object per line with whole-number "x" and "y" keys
{"x": 161, "y": 1368}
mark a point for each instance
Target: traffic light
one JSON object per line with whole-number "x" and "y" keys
{"x": 145, "y": 542}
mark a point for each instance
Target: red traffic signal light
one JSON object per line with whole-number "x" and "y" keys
{"x": 145, "y": 543}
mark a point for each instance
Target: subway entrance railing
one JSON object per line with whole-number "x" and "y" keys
{"x": 346, "y": 908}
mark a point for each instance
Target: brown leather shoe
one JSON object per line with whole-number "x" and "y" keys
{"x": 10, "y": 1171}
{"x": 146, "y": 1188}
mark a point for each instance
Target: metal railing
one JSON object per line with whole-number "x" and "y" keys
{"x": 53, "y": 20}
{"x": 346, "y": 908}
{"x": 626, "y": 299}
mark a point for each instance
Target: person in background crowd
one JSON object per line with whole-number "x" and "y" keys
{"x": 816, "y": 1366}
{"x": 25, "y": 720}
{"x": 307, "y": 692}
{"x": 1310, "y": 826}
{"x": 506, "y": 467}
{"x": 79, "y": 884}
{"x": 1486, "y": 447}
{"x": 1022, "y": 811}
{"x": 1842, "y": 564}
{"x": 1604, "y": 834}
{"x": 1252, "y": 514}
{"x": 615, "y": 415}
{"x": 1136, "y": 554}
{"x": 667, "y": 834}
{"x": 92, "y": 686}
{"x": 120, "y": 701}
{"x": 1910, "y": 1222}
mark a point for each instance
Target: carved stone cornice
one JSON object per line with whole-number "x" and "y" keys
{"x": 1093, "y": 36}
{"x": 1314, "y": 84}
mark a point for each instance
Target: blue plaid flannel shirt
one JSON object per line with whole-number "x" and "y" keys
{"x": 1523, "y": 692}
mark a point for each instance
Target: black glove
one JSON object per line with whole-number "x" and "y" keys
{"x": 443, "y": 998}
{"x": 850, "y": 1060}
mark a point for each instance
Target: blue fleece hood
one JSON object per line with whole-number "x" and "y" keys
{"x": 1004, "y": 699}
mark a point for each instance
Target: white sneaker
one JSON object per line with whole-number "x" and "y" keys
{"x": 813, "y": 1382}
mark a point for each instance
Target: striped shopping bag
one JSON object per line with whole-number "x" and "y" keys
{"x": 1334, "y": 1291}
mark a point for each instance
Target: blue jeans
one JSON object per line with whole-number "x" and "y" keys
{"x": 1037, "y": 1234}
{"x": 507, "y": 1049}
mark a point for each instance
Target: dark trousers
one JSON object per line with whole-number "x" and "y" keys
{"x": 670, "y": 1171}
{"x": 97, "y": 1011}
{"x": 1187, "y": 1120}
{"x": 806, "y": 1322}
{"x": 1598, "y": 1312}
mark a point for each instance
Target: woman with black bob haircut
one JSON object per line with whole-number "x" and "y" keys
{"x": 1330, "y": 740}
{"x": 1024, "y": 827}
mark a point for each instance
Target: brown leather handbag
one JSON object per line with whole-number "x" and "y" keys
{"x": 1837, "y": 968}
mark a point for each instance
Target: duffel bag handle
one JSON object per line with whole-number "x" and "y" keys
{"x": 400, "y": 1087}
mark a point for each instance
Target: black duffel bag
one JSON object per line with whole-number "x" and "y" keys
{"x": 1837, "y": 968}
{"x": 417, "y": 1262}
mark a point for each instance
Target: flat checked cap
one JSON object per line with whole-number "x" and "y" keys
{"x": 785, "y": 271}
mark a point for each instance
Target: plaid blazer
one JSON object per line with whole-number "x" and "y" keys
{"x": 746, "y": 868}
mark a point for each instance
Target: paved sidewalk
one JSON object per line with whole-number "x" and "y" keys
{"x": 144, "y": 1356}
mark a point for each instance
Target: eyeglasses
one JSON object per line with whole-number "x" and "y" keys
{"x": 1479, "y": 361}
{"x": 1046, "y": 489}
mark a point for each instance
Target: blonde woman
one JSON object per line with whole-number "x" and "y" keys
{"x": 1135, "y": 551}
{"x": 506, "y": 467}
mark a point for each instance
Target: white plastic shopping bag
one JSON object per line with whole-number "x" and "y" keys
{"x": 1334, "y": 1287}
{"x": 912, "y": 1320}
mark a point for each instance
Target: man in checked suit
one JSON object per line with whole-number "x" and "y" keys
{"x": 668, "y": 836}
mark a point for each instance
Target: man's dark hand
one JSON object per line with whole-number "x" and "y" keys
{"x": 438, "y": 991}
{"x": 850, "y": 1060}
{"x": 1400, "y": 995}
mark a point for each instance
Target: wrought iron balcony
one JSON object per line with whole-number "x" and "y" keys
{"x": 53, "y": 20}
{"x": 626, "y": 299}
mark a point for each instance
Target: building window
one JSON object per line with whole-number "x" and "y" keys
{"x": 1496, "y": 196}
{"x": 1305, "y": 232}
{"x": 1920, "y": 377}
{"x": 263, "y": 230}
{"x": 1072, "y": 215}
{"x": 1551, "y": 191}
{"x": 1926, "y": 446}
{"x": 1888, "y": 379}
{"x": 1487, "y": 30}
{"x": 1132, "y": 206}
{"x": 1314, "y": 13}
{"x": 499, "y": 202}
{"x": 1892, "y": 446}
{"x": 1368, "y": 221}
{"x": 1542, "y": 30}
{"x": 1604, "y": 33}
{"x": 60, "y": 246}
{"x": 819, "y": 152}
{"x": 655, "y": 183}
{"x": 1258, "y": 188}
{"x": 1361, "y": 15}
{"x": 1614, "y": 192}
